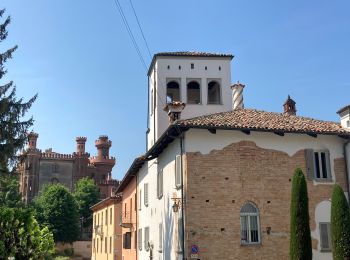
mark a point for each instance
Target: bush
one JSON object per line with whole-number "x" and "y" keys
{"x": 340, "y": 223}
{"x": 300, "y": 236}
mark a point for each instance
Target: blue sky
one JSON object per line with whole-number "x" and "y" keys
{"x": 78, "y": 57}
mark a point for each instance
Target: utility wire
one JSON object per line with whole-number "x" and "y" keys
{"x": 138, "y": 23}
{"x": 125, "y": 21}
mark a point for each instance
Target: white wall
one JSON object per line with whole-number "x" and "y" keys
{"x": 162, "y": 73}
{"x": 160, "y": 210}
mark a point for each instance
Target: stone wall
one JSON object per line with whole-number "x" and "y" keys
{"x": 219, "y": 183}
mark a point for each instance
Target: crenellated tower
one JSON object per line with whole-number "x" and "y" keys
{"x": 81, "y": 159}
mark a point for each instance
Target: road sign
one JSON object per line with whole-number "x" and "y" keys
{"x": 194, "y": 249}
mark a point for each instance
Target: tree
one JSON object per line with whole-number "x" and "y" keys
{"x": 300, "y": 236}
{"x": 13, "y": 131}
{"x": 21, "y": 236}
{"x": 57, "y": 209}
{"x": 9, "y": 192}
{"x": 340, "y": 224}
{"x": 86, "y": 194}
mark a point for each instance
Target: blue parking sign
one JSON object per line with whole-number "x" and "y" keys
{"x": 194, "y": 249}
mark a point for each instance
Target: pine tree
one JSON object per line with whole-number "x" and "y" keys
{"x": 13, "y": 130}
{"x": 300, "y": 236}
{"x": 340, "y": 224}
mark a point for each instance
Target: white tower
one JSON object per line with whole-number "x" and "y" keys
{"x": 199, "y": 80}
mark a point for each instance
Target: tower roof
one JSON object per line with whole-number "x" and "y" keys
{"x": 188, "y": 54}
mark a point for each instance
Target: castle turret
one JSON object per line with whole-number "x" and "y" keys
{"x": 32, "y": 138}
{"x": 80, "y": 144}
{"x": 103, "y": 144}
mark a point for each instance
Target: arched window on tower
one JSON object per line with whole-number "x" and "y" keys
{"x": 250, "y": 226}
{"x": 214, "y": 95}
{"x": 193, "y": 92}
{"x": 172, "y": 91}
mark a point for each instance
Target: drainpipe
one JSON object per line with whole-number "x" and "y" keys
{"x": 182, "y": 192}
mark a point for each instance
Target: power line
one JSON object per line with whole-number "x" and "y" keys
{"x": 125, "y": 21}
{"x": 143, "y": 35}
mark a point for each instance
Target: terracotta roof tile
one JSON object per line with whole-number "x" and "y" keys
{"x": 251, "y": 119}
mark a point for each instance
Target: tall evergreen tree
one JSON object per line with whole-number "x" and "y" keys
{"x": 13, "y": 130}
{"x": 340, "y": 224}
{"x": 300, "y": 236}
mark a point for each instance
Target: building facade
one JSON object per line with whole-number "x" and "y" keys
{"x": 39, "y": 168}
{"x": 215, "y": 181}
{"x": 107, "y": 233}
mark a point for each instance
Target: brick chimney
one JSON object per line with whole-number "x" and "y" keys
{"x": 174, "y": 110}
{"x": 344, "y": 114}
{"x": 289, "y": 106}
{"x": 237, "y": 95}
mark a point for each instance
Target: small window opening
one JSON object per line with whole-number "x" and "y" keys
{"x": 173, "y": 92}
{"x": 179, "y": 67}
{"x": 192, "y": 65}
{"x": 213, "y": 92}
{"x": 193, "y": 93}
{"x": 168, "y": 67}
{"x": 205, "y": 67}
{"x": 219, "y": 67}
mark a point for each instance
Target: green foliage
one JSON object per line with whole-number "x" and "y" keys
{"x": 9, "y": 191}
{"x": 13, "y": 130}
{"x": 86, "y": 194}
{"x": 21, "y": 236}
{"x": 300, "y": 236}
{"x": 340, "y": 224}
{"x": 56, "y": 208}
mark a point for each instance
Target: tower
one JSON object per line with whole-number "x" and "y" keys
{"x": 197, "y": 82}
{"x": 29, "y": 169}
{"x": 81, "y": 159}
{"x": 289, "y": 106}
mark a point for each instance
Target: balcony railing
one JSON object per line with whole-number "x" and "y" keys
{"x": 125, "y": 219}
{"x": 99, "y": 230}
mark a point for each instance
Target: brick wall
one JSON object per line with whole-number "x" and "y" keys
{"x": 218, "y": 185}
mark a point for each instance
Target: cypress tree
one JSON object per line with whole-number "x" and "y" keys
{"x": 340, "y": 224}
{"x": 13, "y": 129}
{"x": 300, "y": 236}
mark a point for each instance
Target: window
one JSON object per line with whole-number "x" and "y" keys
{"x": 160, "y": 184}
{"x": 135, "y": 199}
{"x": 106, "y": 220}
{"x": 98, "y": 219}
{"x": 97, "y": 245}
{"x": 192, "y": 66}
{"x": 140, "y": 199}
{"x": 105, "y": 245}
{"x": 318, "y": 164}
{"x": 151, "y": 103}
{"x": 101, "y": 245}
{"x": 139, "y": 239}
{"x": 94, "y": 245}
{"x": 146, "y": 242}
{"x": 160, "y": 237}
{"x": 193, "y": 92}
{"x": 135, "y": 239}
{"x": 101, "y": 218}
{"x": 145, "y": 196}
{"x": 130, "y": 208}
{"x": 178, "y": 171}
{"x": 325, "y": 236}
{"x": 172, "y": 91}
{"x": 348, "y": 123}
{"x": 127, "y": 240}
{"x": 214, "y": 92}
{"x": 250, "y": 230}
{"x": 110, "y": 245}
{"x": 110, "y": 216}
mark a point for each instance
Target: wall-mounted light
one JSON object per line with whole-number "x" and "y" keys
{"x": 176, "y": 205}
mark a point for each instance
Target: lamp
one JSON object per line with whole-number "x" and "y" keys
{"x": 176, "y": 205}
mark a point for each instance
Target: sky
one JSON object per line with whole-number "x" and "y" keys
{"x": 78, "y": 57}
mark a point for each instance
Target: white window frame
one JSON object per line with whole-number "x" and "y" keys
{"x": 329, "y": 234}
{"x": 160, "y": 184}
{"x": 249, "y": 215}
{"x": 145, "y": 196}
{"x": 178, "y": 171}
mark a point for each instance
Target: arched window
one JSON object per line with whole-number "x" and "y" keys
{"x": 172, "y": 91}
{"x": 214, "y": 92}
{"x": 193, "y": 93}
{"x": 250, "y": 226}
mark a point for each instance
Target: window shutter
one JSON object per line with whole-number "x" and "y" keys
{"x": 146, "y": 238}
{"x": 160, "y": 236}
{"x": 178, "y": 171}
{"x": 160, "y": 184}
{"x": 140, "y": 199}
{"x": 139, "y": 239}
{"x": 145, "y": 199}
{"x": 309, "y": 158}
{"x": 180, "y": 234}
{"x": 325, "y": 236}
{"x": 124, "y": 240}
{"x": 328, "y": 164}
